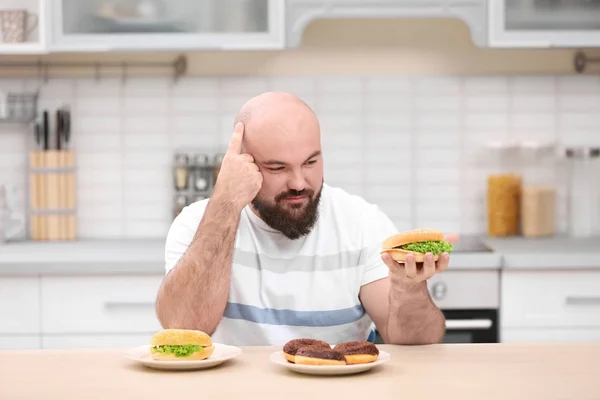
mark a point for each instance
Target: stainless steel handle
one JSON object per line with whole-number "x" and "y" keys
{"x": 455, "y": 324}
{"x": 128, "y": 304}
{"x": 576, "y": 300}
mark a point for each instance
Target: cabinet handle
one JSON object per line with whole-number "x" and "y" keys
{"x": 455, "y": 324}
{"x": 583, "y": 300}
{"x": 128, "y": 304}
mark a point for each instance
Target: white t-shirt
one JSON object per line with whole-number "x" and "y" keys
{"x": 283, "y": 289}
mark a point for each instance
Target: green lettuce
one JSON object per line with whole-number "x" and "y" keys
{"x": 183, "y": 350}
{"x": 430, "y": 246}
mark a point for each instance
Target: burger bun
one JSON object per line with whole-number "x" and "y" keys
{"x": 180, "y": 337}
{"x": 416, "y": 235}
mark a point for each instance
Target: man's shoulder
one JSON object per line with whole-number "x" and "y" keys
{"x": 349, "y": 202}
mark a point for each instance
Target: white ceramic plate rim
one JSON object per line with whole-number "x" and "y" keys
{"x": 278, "y": 358}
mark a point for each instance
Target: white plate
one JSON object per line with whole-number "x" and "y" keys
{"x": 278, "y": 358}
{"x": 221, "y": 354}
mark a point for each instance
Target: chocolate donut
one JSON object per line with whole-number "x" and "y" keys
{"x": 358, "y": 352}
{"x": 291, "y": 347}
{"x": 318, "y": 355}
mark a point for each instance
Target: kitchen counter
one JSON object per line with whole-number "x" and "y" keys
{"x": 451, "y": 371}
{"x": 145, "y": 256}
{"x": 556, "y": 252}
{"x": 84, "y": 257}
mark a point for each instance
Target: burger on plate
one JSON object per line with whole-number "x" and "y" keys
{"x": 181, "y": 345}
{"x": 417, "y": 242}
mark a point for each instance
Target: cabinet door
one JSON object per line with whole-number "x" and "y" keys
{"x": 19, "y": 305}
{"x": 518, "y": 335}
{"x": 544, "y": 23}
{"x": 99, "y": 304}
{"x": 105, "y": 25}
{"x": 94, "y": 341}
{"x": 550, "y": 299}
{"x": 20, "y": 342}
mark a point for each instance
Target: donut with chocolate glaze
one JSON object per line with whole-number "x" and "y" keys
{"x": 291, "y": 347}
{"x": 358, "y": 352}
{"x": 318, "y": 355}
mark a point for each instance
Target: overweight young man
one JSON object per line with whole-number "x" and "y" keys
{"x": 277, "y": 254}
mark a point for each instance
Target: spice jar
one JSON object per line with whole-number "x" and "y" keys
{"x": 201, "y": 172}
{"x": 181, "y": 171}
{"x": 538, "y": 192}
{"x": 180, "y": 203}
{"x": 583, "y": 197}
{"x": 503, "y": 191}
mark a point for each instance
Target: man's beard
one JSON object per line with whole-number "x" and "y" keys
{"x": 299, "y": 222}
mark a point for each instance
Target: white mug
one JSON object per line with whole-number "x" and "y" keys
{"x": 11, "y": 223}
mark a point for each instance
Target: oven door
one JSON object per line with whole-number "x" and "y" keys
{"x": 471, "y": 326}
{"x": 466, "y": 326}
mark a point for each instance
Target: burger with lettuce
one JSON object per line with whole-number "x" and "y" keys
{"x": 417, "y": 242}
{"x": 181, "y": 345}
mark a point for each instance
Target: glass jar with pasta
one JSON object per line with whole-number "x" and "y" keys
{"x": 503, "y": 193}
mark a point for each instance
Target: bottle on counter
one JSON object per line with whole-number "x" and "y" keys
{"x": 201, "y": 173}
{"x": 583, "y": 196}
{"x": 181, "y": 171}
{"x": 538, "y": 192}
{"x": 180, "y": 202}
{"x": 503, "y": 194}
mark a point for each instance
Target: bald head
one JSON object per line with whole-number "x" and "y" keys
{"x": 273, "y": 114}
{"x": 266, "y": 103}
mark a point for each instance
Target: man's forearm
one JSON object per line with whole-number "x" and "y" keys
{"x": 414, "y": 318}
{"x": 194, "y": 294}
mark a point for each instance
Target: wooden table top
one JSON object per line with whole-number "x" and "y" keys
{"x": 440, "y": 372}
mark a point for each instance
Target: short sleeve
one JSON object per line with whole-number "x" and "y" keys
{"x": 181, "y": 233}
{"x": 377, "y": 227}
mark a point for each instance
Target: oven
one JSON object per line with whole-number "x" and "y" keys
{"x": 471, "y": 326}
{"x": 470, "y": 300}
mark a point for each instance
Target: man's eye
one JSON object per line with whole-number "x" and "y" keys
{"x": 275, "y": 169}
{"x": 312, "y": 161}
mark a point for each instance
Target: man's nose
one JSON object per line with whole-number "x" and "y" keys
{"x": 297, "y": 181}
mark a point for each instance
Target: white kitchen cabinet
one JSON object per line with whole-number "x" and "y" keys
{"x": 99, "y": 304}
{"x": 556, "y": 335}
{"x": 118, "y": 25}
{"x": 543, "y": 23}
{"x": 300, "y": 13}
{"x": 20, "y": 342}
{"x": 35, "y": 24}
{"x": 94, "y": 341}
{"x": 549, "y": 303}
{"x": 19, "y": 305}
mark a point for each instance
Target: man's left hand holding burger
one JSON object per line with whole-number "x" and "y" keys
{"x": 411, "y": 316}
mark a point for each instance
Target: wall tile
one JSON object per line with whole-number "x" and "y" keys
{"x": 410, "y": 145}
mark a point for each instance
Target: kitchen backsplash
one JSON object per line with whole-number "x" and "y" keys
{"x": 408, "y": 144}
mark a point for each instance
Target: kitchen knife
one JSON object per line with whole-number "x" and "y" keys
{"x": 58, "y": 129}
{"x": 38, "y": 135}
{"x": 66, "y": 126}
{"x": 46, "y": 131}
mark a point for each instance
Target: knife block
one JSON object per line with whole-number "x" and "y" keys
{"x": 52, "y": 195}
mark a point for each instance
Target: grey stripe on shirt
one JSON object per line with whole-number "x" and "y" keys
{"x": 329, "y": 262}
{"x": 294, "y": 318}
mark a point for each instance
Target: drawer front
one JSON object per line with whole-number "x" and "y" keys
{"x": 465, "y": 289}
{"x": 550, "y": 299}
{"x": 20, "y": 342}
{"x": 549, "y": 335}
{"x": 94, "y": 341}
{"x": 102, "y": 304}
{"x": 19, "y": 305}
